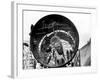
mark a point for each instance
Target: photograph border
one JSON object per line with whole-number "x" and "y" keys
{"x": 15, "y": 69}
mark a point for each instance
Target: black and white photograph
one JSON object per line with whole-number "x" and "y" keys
{"x": 55, "y": 39}
{"x": 52, "y": 40}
